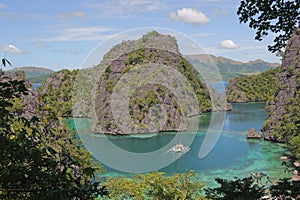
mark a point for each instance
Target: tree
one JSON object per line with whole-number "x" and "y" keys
{"x": 286, "y": 189}
{"x": 238, "y": 189}
{"x": 280, "y": 17}
{"x": 156, "y": 186}
{"x": 39, "y": 158}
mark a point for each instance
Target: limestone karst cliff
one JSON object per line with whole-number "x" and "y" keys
{"x": 283, "y": 122}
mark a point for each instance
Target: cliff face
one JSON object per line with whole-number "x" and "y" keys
{"x": 283, "y": 122}
{"x": 145, "y": 115}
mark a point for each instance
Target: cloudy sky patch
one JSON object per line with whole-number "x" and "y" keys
{"x": 190, "y": 16}
{"x": 228, "y": 44}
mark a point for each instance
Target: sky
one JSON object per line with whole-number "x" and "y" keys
{"x": 61, "y": 34}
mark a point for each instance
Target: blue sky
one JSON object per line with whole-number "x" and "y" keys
{"x": 60, "y": 34}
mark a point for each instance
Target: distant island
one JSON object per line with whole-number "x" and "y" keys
{"x": 33, "y": 74}
{"x": 229, "y": 68}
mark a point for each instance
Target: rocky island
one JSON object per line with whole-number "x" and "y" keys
{"x": 91, "y": 94}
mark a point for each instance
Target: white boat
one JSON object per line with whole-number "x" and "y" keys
{"x": 179, "y": 148}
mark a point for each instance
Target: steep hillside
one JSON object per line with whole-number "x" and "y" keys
{"x": 145, "y": 97}
{"x": 283, "y": 123}
{"x": 57, "y": 91}
{"x": 253, "y": 88}
{"x": 229, "y": 68}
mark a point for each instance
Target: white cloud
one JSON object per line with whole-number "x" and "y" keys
{"x": 190, "y": 16}
{"x": 92, "y": 33}
{"x": 228, "y": 44}
{"x": 68, "y": 15}
{"x": 11, "y": 48}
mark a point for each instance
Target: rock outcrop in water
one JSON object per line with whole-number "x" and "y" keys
{"x": 253, "y": 134}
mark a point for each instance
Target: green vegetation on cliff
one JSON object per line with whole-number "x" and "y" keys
{"x": 283, "y": 123}
{"x": 253, "y": 88}
{"x": 138, "y": 63}
{"x": 57, "y": 91}
{"x": 287, "y": 126}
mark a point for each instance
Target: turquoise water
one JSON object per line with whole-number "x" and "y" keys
{"x": 232, "y": 156}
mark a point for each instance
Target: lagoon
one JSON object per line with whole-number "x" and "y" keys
{"x": 232, "y": 156}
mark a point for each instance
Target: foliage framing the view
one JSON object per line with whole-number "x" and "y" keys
{"x": 280, "y": 17}
{"x": 156, "y": 186}
{"x": 39, "y": 157}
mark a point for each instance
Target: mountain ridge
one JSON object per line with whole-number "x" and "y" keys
{"x": 33, "y": 74}
{"x": 227, "y": 67}
{"x": 32, "y": 69}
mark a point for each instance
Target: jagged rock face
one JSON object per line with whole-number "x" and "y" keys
{"x": 145, "y": 97}
{"x": 152, "y": 39}
{"x": 281, "y": 110}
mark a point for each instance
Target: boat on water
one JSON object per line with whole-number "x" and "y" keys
{"x": 179, "y": 148}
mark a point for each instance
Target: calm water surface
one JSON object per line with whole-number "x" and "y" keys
{"x": 232, "y": 156}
